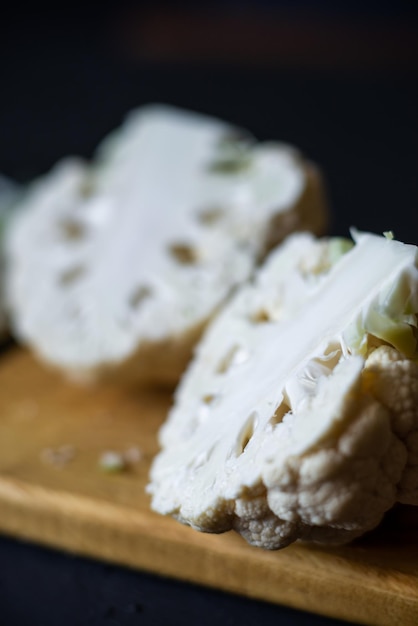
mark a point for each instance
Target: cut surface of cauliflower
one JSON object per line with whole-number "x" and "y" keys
{"x": 117, "y": 265}
{"x": 298, "y": 417}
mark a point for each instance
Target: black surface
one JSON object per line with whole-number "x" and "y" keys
{"x": 44, "y": 588}
{"x": 62, "y": 88}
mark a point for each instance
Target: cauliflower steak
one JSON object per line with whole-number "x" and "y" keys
{"x": 115, "y": 266}
{"x": 298, "y": 418}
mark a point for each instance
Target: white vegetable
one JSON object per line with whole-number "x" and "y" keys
{"x": 119, "y": 265}
{"x": 298, "y": 417}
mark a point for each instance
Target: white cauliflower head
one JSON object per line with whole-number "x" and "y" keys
{"x": 117, "y": 265}
{"x": 298, "y": 417}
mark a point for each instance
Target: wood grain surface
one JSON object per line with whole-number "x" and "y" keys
{"x": 53, "y": 492}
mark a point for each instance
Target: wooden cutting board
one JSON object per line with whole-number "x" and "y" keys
{"x": 52, "y": 491}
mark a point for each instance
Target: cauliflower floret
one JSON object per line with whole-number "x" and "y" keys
{"x": 393, "y": 380}
{"x": 338, "y": 490}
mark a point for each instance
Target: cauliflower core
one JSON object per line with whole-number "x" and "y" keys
{"x": 298, "y": 418}
{"x": 117, "y": 265}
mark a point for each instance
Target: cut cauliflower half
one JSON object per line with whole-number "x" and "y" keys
{"x": 298, "y": 418}
{"x": 116, "y": 266}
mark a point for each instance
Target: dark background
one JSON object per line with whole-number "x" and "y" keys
{"x": 339, "y": 80}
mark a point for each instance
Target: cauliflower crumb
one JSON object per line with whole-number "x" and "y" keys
{"x": 58, "y": 457}
{"x": 113, "y": 462}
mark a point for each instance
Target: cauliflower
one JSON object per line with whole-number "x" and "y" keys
{"x": 116, "y": 266}
{"x": 298, "y": 418}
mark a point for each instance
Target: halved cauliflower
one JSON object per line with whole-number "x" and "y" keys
{"x": 298, "y": 418}
{"x": 116, "y": 266}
